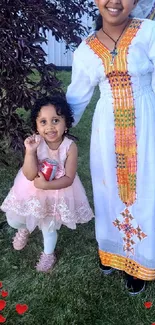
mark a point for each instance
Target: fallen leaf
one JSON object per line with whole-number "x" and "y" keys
{"x": 2, "y": 319}
{"x": 2, "y": 304}
{"x": 4, "y": 293}
{"x": 148, "y": 304}
{"x": 21, "y": 309}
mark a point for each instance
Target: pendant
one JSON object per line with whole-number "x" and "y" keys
{"x": 114, "y": 53}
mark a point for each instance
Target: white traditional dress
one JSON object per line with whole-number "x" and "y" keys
{"x": 122, "y": 154}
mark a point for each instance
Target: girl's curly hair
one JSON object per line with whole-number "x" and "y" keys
{"x": 61, "y": 106}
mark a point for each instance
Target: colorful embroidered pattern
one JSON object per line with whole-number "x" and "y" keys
{"x": 130, "y": 231}
{"x": 124, "y": 110}
{"x": 127, "y": 265}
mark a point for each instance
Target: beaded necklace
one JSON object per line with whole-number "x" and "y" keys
{"x": 114, "y": 52}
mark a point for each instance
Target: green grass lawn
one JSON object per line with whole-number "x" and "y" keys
{"x": 75, "y": 293}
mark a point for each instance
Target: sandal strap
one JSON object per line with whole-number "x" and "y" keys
{"x": 20, "y": 239}
{"x": 46, "y": 262}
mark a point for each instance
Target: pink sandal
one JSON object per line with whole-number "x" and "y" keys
{"x": 20, "y": 239}
{"x": 46, "y": 262}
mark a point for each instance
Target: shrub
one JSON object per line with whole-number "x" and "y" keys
{"x": 24, "y": 72}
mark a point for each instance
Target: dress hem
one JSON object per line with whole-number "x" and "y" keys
{"x": 127, "y": 265}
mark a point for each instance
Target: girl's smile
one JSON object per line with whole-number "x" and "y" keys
{"x": 51, "y": 134}
{"x": 115, "y": 11}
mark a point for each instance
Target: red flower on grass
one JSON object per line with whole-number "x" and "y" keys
{"x": 21, "y": 309}
{"x": 1, "y": 284}
{"x": 2, "y": 319}
{"x": 2, "y": 304}
{"x": 148, "y": 304}
{"x": 4, "y": 293}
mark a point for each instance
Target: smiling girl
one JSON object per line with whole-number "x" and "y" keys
{"x": 34, "y": 201}
{"x": 120, "y": 57}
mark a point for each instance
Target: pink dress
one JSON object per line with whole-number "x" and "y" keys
{"x": 48, "y": 209}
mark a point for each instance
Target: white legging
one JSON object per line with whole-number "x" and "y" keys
{"x": 49, "y": 238}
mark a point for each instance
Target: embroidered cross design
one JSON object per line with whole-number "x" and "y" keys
{"x": 130, "y": 230}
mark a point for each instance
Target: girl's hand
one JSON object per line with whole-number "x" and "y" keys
{"x": 40, "y": 182}
{"x": 31, "y": 143}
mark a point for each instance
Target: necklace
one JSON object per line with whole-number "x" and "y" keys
{"x": 114, "y": 52}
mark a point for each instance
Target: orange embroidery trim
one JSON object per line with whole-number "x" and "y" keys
{"x": 124, "y": 111}
{"x": 127, "y": 265}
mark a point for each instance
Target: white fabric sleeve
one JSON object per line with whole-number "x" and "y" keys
{"x": 80, "y": 90}
{"x": 152, "y": 55}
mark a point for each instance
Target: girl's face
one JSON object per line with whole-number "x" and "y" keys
{"x": 115, "y": 12}
{"x": 50, "y": 125}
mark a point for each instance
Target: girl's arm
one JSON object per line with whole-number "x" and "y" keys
{"x": 30, "y": 166}
{"x": 82, "y": 86}
{"x": 64, "y": 181}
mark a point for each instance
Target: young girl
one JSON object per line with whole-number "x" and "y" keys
{"x": 120, "y": 57}
{"x": 33, "y": 201}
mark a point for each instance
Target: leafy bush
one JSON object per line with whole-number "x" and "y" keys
{"x": 24, "y": 74}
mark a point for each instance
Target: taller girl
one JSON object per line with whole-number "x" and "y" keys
{"x": 120, "y": 58}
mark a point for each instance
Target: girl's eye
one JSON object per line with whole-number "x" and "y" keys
{"x": 55, "y": 121}
{"x": 43, "y": 122}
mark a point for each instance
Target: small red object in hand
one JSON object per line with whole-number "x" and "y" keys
{"x": 48, "y": 167}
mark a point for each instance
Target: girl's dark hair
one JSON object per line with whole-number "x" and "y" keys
{"x": 99, "y": 23}
{"x": 61, "y": 106}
